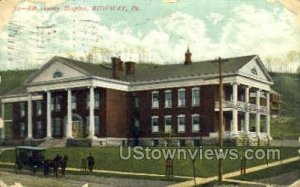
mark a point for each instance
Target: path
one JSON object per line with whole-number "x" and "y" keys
{"x": 190, "y": 182}
{"x": 235, "y": 173}
{"x": 76, "y": 181}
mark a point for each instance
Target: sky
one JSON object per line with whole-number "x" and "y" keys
{"x": 151, "y": 31}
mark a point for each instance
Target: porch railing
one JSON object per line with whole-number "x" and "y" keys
{"x": 242, "y": 106}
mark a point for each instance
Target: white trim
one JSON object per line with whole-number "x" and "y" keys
{"x": 133, "y": 86}
{"x": 21, "y": 98}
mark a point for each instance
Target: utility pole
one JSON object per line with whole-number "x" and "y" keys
{"x": 221, "y": 126}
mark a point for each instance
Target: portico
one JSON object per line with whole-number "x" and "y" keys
{"x": 239, "y": 102}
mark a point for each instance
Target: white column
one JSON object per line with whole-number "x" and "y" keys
{"x": 49, "y": 129}
{"x": 247, "y": 114}
{"x": 92, "y": 116}
{"x": 234, "y": 129}
{"x": 29, "y": 116}
{"x": 268, "y": 116}
{"x": 3, "y": 118}
{"x": 69, "y": 115}
{"x": 258, "y": 113}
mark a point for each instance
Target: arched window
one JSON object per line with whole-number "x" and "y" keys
{"x": 254, "y": 71}
{"x": 57, "y": 74}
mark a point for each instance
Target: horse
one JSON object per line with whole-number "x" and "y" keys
{"x": 54, "y": 164}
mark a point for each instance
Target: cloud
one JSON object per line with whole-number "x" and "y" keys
{"x": 250, "y": 30}
{"x": 214, "y": 18}
{"x": 7, "y": 8}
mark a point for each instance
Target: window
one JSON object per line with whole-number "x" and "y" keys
{"x": 87, "y": 124}
{"x": 195, "y": 96}
{"x": 97, "y": 125}
{"x": 88, "y": 100}
{"x": 242, "y": 125}
{"x": 57, "y": 74}
{"x": 196, "y": 123}
{"x": 154, "y": 124}
{"x": 181, "y": 123}
{"x": 22, "y": 109}
{"x": 22, "y": 129}
{"x": 56, "y": 126}
{"x": 136, "y": 102}
{"x": 196, "y": 142}
{"x": 168, "y": 124}
{"x": 254, "y": 71}
{"x": 39, "y": 131}
{"x": 182, "y": 143}
{"x": 168, "y": 99}
{"x": 96, "y": 99}
{"x": 52, "y": 103}
{"x": 39, "y": 108}
{"x": 74, "y": 103}
{"x": 155, "y": 99}
{"x": 155, "y": 142}
{"x": 181, "y": 97}
{"x": 57, "y": 103}
{"x": 136, "y": 122}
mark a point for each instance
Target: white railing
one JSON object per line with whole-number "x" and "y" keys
{"x": 242, "y": 106}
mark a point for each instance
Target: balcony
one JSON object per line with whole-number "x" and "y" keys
{"x": 242, "y": 106}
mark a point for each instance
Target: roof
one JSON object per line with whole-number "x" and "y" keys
{"x": 31, "y": 148}
{"x": 145, "y": 72}
{"x": 157, "y": 72}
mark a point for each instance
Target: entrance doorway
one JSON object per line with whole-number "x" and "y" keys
{"x": 77, "y": 126}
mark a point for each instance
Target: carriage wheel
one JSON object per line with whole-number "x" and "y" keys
{"x": 33, "y": 169}
{"x": 18, "y": 166}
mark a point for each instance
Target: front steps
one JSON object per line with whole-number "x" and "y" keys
{"x": 53, "y": 142}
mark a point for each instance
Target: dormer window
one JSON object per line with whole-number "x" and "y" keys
{"x": 57, "y": 74}
{"x": 254, "y": 71}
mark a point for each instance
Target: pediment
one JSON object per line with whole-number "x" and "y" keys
{"x": 56, "y": 70}
{"x": 256, "y": 70}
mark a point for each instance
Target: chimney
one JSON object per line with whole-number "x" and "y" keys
{"x": 130, "y": 68}
{"x": 117, "y": 67}
{"x": 188, "y": 57}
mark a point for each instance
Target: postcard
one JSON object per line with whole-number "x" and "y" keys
{"x": 149, "y": 93}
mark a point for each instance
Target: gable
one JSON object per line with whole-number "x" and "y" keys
{"x": 56, "y": 70}
{"x": 256, "y": 70}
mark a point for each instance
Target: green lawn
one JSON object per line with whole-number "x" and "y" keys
{"x": 274, "y": 171}
{"x": 109, "y": 159}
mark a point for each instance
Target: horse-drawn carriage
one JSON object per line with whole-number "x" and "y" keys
{"x": 29, "y": 157}
{"x": 33, "y": 158}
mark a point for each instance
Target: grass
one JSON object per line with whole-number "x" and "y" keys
{"x": 274, "y": 171}
{"x": 287, "y": 126}
{"x": 109, "y": 159}
{"x": 281, "y": 124}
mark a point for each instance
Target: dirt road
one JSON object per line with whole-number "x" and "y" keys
{"x": 75, "y": 181}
